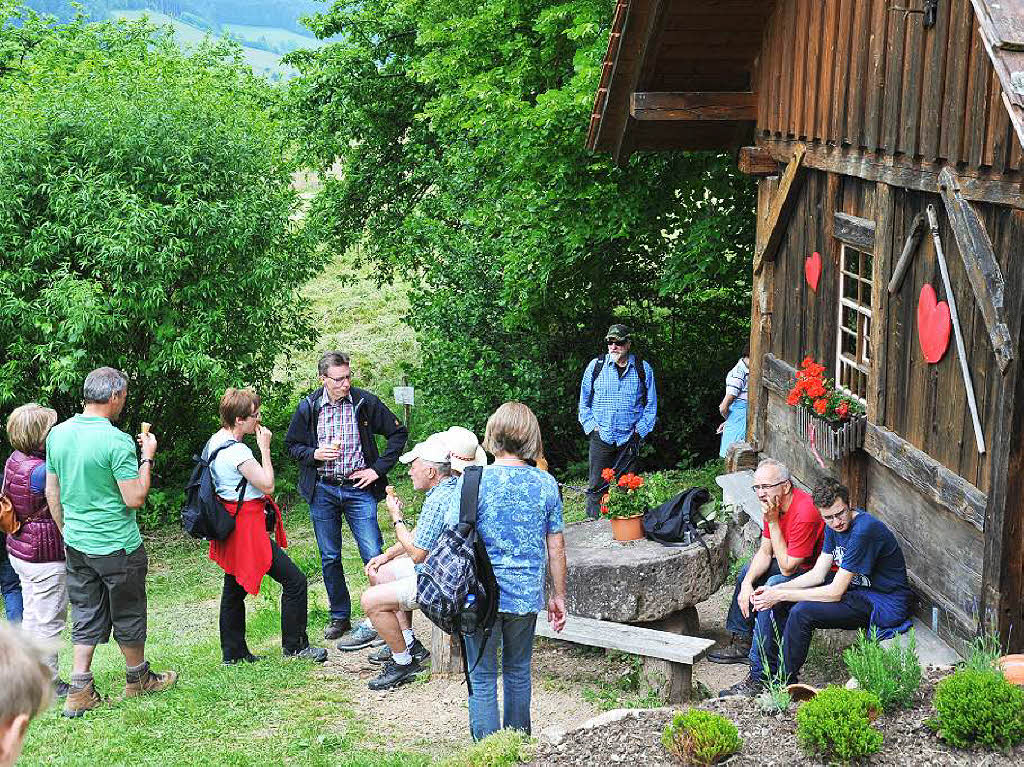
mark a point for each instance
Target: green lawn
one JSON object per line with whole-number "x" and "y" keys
{"x": 274, "y": 712}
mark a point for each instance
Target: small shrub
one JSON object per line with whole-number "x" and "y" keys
{"x": 978, "y": 707}
{"x": 836, "y": 724}
{"x": 700, "y": 737}
{"x": 892, "y": 673}
{"x": 984, "y": 653}
{"x": 501, "y": 749}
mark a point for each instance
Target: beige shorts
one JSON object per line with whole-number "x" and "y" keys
{"x": 405, "y": 582}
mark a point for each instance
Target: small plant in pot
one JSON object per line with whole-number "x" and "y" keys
{"x": 624, "y": 504}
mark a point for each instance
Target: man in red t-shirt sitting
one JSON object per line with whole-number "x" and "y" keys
{"x": 793, "y": 534}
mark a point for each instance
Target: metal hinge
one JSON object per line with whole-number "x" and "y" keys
{"x": 930, "y": 12}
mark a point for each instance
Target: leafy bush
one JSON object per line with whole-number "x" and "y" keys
{"x": 836, "y": 724}
{"x": 700, "y": 737}
{"x": 501, "y": 749}
{"x": 978, "y": 707}
{"x": 892, "y": 673}
{"x": 146, "y": 222}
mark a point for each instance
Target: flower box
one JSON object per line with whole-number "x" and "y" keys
{"x": 832, "y": 440}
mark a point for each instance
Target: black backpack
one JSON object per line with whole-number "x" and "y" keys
{"x": 203, "y": 515}
{"x": 641, "y": 373}
{"x": 456, "y": 588}
{"x": 677, "y": 522}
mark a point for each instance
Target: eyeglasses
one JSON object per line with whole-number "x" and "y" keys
{"x": 837, "y": 515}
{"x": 768, "y": 487}
{"x": 616, "y": 341}
{"x": 339, "y": 379}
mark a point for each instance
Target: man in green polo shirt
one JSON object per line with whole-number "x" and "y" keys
{"x": 94, "y": 484}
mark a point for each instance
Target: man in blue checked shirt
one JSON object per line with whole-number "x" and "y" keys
{"x": 618, "y": 407}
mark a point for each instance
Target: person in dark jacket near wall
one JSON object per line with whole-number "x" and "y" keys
{"x": 341, "y": 474}
{"x": 36, "y": 550}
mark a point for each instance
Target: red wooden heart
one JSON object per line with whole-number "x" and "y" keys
{"x": 812, "y": 270}
{"x": 933, "y": 324}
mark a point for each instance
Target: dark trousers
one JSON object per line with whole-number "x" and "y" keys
{"x": 293, "y": 608}
{"x": 734, "y": 620}
{"x": 603, "y": 456}
{"x": 799, "y": 621}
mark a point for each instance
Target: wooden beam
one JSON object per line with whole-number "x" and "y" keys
{"x": 854, "y": 231}
{"x": 881, "y": 262}
{"x": 929, "y": 477}
{"x": 762, "y": 302}
{"x": 920, "y": 176}
{"x": 703, "y": 105}
{"x": 782, "y": 204}
{"x": 632, "y": 639}
{"x": 640, "y": 30}
{"x": 909, "y": 247}
{"x": 757, "y": 161}
{"x": 982, "y": 267}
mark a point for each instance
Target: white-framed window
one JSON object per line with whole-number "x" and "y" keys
{"x": 853, "y": 352}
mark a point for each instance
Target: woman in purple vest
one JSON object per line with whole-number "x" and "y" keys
{"x": 37, "y": 549}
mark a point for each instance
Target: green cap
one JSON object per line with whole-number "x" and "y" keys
{"x": 619, "y": 333}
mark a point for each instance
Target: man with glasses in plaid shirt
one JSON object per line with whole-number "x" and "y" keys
{"x": 341, "y": 474}
{"x": 790, "y": 544}
{"x": 618, "y": 407}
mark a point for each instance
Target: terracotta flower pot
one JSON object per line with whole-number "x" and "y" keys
{"x": 1013, "y": 668}
{"x": 628, "y": 528}
{"x": 801, "y": 692}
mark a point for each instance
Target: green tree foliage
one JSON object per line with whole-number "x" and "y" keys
{"x": 145, "y": 223}
{"x": 457, "y": 133}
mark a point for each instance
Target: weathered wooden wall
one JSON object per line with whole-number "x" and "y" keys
{"x": 859, "y": 73}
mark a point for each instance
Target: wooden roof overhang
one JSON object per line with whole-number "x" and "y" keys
{"x": 678, "y": 74}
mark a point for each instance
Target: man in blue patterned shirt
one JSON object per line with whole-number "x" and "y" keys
{"x": 618, "y": 407}
{"x": 391, "y": 598}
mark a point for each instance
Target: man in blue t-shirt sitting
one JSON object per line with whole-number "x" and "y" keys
{"x": 859, "y": 581}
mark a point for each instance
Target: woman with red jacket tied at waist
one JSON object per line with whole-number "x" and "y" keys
{"x": 36, "y": 550}
{"x": 249, "y": 553}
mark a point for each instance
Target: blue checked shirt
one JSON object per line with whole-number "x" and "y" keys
{"x": 431, "y": 522}
{"x": 616, "y": 409}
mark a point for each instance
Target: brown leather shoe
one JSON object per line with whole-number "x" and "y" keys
{"x": 81, "y": 700}
{"x": 146, "y": 682}
{"x": 737, "y": 651}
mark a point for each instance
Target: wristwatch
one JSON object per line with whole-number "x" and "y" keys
{"x": 147, "y": 460}
{"x": 398, "y": 522}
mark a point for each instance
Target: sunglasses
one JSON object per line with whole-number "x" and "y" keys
{"x": 616, "y": 341}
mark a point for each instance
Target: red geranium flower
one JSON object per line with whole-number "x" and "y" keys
{"x": 793, "y": 398}
{"x": 820, "y": 406}
{"x": 608, "y": 474}
{"x": 843, "y": 409}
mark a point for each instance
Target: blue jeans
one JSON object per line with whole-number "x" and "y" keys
{"x": 359, "y": 508}
{"x": 514, "y": 634}
{"x": 10, "y": 585}
{"x": 765, "y": 635}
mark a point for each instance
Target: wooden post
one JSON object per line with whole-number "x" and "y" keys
{"x": 408, "y": 410}
{"x": 760, "y": 324}
{"x": 445, "y": 655}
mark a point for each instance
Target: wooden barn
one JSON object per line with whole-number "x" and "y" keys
{"x": 885, "y": 136}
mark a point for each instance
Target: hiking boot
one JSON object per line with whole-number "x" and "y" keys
{"x": 82, "y": 699}
{"x": 250, "y": 658}
{"x": 146, "y": 682}
{"x": 416, "y": 649}
{"x": 336, "y": 628}
{"x": 394, "y": 675}
{"x": 750, "y": 687}
{"x": 737, "y": 651}
{"x": 315, "y": 654}
{"x": 61, "y": 689}
{"x": 358, "y": 638}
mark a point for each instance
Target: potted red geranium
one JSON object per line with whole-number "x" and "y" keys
{"x": 624, "y": 505}
{"x": 833, "y": 420}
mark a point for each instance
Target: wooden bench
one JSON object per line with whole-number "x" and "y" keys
{"x": 680, "y": 651}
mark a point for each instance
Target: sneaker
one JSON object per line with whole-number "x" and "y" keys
{"x": 336, "y": 628}
{"x": 737, "y": 651}
{"x": 394, "y": 675}
{"x": 82, "y": 699}
{"x": 383, "y": 655}
{"x": 315, "y": 654}
{"x": 250, "y": 658}
{"x": 748, "y": 688}
{"x": 358, "y": 638}
{"x": 146, "y": 682}
{"x": 61, "y": 688}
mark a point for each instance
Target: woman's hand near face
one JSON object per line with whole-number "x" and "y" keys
{"x": 263, "y": 436}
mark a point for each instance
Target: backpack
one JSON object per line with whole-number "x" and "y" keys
{"x": 641, "y": 373}
{"x": 455, "y": 587}
{"x": 677, "y": 522}
{"x": 203, "y": 515}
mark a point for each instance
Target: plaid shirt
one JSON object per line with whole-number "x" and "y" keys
{"x": 431, "y": 521}
{"x": 337, "y": 423}
{"x": 616, "y": 408}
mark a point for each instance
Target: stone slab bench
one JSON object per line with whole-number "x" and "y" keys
{"x": 680, "y": 651}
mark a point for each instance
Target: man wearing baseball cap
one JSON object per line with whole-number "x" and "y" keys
{"x": 391, "y": 598}
{"x": 618, "y": 407}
